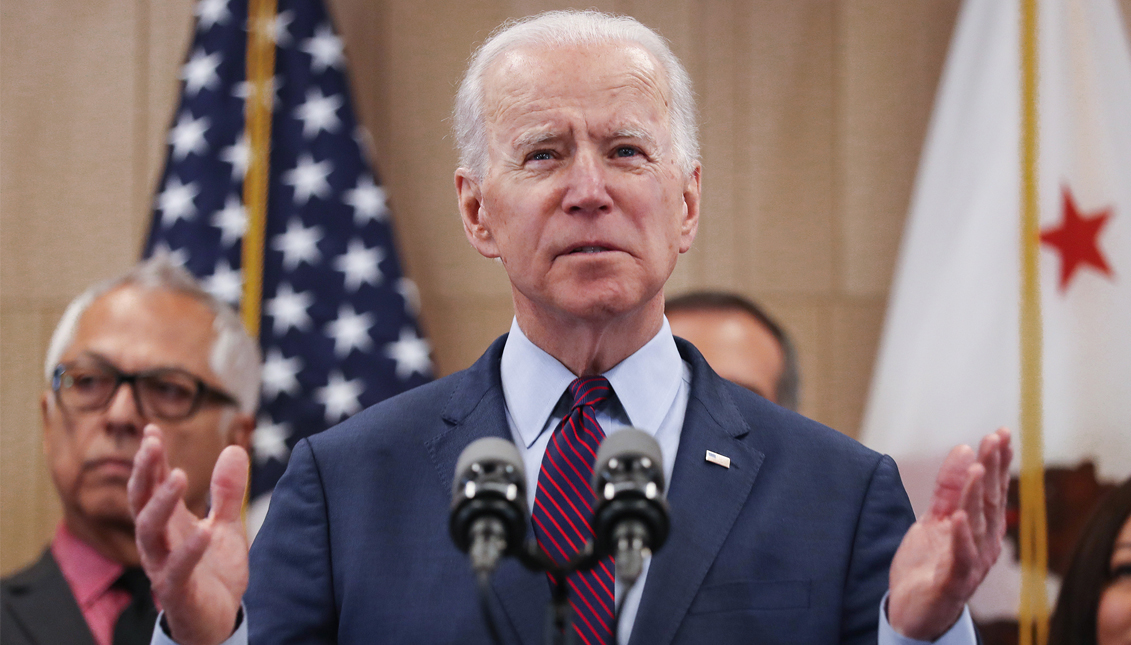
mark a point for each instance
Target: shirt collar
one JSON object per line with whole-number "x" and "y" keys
{"x": 645, "y": 383}
{"x": 89, "y": 573}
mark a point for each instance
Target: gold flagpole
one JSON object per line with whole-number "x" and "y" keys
{"x": 1034, "y": 611}
{"x": 257, "y": 118}
{"x": 257, "y": 113}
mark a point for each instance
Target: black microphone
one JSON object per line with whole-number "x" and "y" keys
{"x": 488, "y": 516}
{"x": 630, "y": 520}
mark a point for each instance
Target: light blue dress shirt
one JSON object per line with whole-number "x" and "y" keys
{"x": 651, "y": 389}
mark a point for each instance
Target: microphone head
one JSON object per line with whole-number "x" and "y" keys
{"x": 490, "y": 481}
{"x": 628, "y": 486}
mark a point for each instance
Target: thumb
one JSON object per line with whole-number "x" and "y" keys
{"x": 229, "y": 482}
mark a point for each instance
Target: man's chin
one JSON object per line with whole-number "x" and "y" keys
{"x": 107, "y": 505}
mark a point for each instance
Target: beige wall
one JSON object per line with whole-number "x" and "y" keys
{"x": 812, "y": 111}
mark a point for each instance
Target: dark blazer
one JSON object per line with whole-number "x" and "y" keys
{"x": 37, "y": 608}
{"x": 791, "y": 544}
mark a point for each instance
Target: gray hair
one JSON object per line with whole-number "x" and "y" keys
{"x": 234, "y": 356}
{"x": 563, "y": 28}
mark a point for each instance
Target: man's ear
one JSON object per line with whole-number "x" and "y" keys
{"x": 474, "y": 214}
{"x": 242, "y": 427}
{"x": 689, "y": 225}
{"x": 45, "y": 405}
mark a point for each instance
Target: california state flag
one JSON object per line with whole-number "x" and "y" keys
{"x": 949, "y": 362}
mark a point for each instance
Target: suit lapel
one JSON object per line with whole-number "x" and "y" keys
{"x": 705, "y": 501}
{"x": 40, "y": 600}
{"x": 475, "y": 410}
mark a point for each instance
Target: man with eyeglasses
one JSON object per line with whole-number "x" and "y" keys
{"x": 150, "y": 347}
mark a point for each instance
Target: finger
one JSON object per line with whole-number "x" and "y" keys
{"x": 965, "y": 556}
{"x": 152, "y": 524}
{"x": 143, "y": 477}
{"x": 973, "y": 500}
{"x": 1006, "y": 459}
{"x": 229, "y": 481}
{"x": 185, "y": 557}
{"x": 951, "y": 481}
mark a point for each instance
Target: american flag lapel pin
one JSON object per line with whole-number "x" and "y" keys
{"x": 716, "y": 458}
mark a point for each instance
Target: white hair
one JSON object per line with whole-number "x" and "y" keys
{"x": 566, "y": 28}
{"x": 234, "y": 356}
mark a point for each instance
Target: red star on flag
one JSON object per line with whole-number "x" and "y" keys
{"x": 1077, "y": 240}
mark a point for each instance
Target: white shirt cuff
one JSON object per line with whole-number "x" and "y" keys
{"x": 238, "y": 637}
{"x": 961, "y": 633}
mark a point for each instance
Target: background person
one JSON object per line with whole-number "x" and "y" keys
{"x": 1094, "y": 605}
{"x": 740, "y": 341}
{"x": 148, "y": 346}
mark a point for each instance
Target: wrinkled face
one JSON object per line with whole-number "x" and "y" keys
{"x": 90, "y": 453}
{"x": 1113, "y": 620}
{"x": 736, "y": 345}
{"x": 582, "y": 199}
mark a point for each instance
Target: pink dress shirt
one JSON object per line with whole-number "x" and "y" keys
{"x": 90, "y": 576}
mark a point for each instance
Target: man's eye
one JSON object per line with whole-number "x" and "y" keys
{"x": 626, "y": 151}
{"x": 541, "y": 155}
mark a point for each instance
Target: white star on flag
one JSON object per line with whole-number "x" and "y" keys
{"x": 224, "y": 283}
{"x": 411, "y": 354}
{"x": 411, "y": 294}
{"x": 367, "y": 200}
{"x": 324, "y": 48}
{"x": 289, "y": 309}
{"x": 188, "y": 135}
{"x": 360, "y": 265}
{"x": 319, "y": 113}
{"x": 237, "y": 154}
{"x": 231, "y": 220}
{"x": 280, "y": 374}
{"x": 350, "y": 331}
{"x": 298, "y": 244}
{"x": 211, "y": 12}
{"x": 269, "y": 441}
{"x": 178, "y": 257}
{"x": 176, "y": 201}
{"x": 246, "y": 90}
{"x": 200, "y": 72}
{"x": 309, "y": 178}
{"x": 275, "y": 28}
{"x": 340, "y": 397}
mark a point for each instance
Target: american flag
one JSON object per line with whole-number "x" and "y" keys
{"x": 338, "y": 328}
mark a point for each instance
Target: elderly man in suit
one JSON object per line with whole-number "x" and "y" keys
{"x": 579, "y": 172}
{"x": 148, "y": 346}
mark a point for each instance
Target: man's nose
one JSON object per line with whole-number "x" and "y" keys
{"x": 122, "y": 413}
{"x": 587, "y": 188}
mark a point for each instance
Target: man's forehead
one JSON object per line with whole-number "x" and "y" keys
{"x": 144, "y": 328}
{"x": 535, "y": 77}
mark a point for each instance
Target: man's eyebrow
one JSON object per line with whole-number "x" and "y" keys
{"x": 535, "y": 137}
{"x": 635, "y": 133}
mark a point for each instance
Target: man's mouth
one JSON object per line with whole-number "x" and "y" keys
{"x": 589, "y": 249}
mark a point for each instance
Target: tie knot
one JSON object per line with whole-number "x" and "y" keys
{"x": 134, "y": 581}
{"x": 589, "y": 390}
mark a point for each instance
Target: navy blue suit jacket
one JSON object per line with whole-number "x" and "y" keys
{"x": 791, "y": 544}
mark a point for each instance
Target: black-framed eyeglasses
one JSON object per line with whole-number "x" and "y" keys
{"x": 169, "y": 394}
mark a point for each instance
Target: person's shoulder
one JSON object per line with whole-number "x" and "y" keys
{"x": 31, "y": 574}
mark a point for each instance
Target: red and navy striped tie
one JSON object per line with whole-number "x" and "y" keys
{"x": 563, "y": 507}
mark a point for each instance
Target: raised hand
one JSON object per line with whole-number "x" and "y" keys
{"x": 198, "y": 567}
{"x": 946, "y": 554}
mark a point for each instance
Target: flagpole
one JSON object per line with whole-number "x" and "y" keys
{"x": 257, "y": 116}
{"x": 1033, "y": 615}
{"x": 257, "y": 111}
